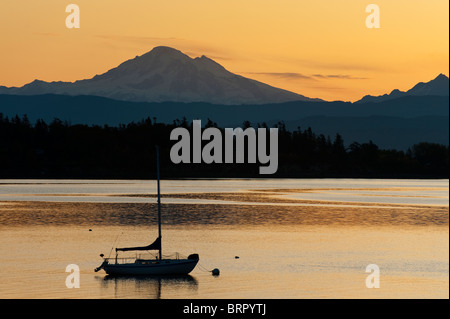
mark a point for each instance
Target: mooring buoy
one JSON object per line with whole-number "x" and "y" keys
{"x": 215, "y": 272}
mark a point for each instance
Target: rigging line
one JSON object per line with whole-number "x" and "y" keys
{"x": 203, "y": 268}
{"x": 114, "y": 243}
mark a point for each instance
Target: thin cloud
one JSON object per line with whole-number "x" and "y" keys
{"x": 344, "y": 66}
{"x": 339, "y": 76}
{"x": 338, "y": 66}
{"x": 286, "y": 75}
{"x": 313, "y": 77}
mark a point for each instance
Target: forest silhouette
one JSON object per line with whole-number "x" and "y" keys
{"x": 61, "y": 150}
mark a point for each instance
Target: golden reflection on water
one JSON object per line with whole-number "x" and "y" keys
{"x": 79, "y": 213}
{"x": 287, "y": 248}
{"x": 290, "y": 261}
{"x": 281, "y": 196}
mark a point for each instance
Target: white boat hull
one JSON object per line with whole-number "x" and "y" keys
{"x": 152, "y": 267}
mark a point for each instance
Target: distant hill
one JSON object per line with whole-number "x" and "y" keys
{"x": 166, "y": 74}
{"x": 436, "y": 87}
{"x": 396, "y": 123}
{"x": 387, "y": 132}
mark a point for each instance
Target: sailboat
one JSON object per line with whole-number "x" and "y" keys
{"x": 157, "y": 266}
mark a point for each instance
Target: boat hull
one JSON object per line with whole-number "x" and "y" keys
{"x": 152, "y": 268}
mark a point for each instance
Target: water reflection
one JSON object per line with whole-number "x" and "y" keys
{"x": 134, "y": 214}
{"x": 148, "y": 287}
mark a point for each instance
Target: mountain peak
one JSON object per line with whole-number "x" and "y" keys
{"x": 164, "y": 50}
{"x": 165, "y": 74}
{"x": 210, "y": 64}
{"x": 439, "y": 86}
{"x": 441, "y": 76}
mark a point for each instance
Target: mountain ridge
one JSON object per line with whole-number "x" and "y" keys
{"x": 396, "y": 123}
{"x": 439, "y": 86}
{"x": 166, "y": 74}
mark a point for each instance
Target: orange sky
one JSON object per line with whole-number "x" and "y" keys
{"x": 316, "y": 48}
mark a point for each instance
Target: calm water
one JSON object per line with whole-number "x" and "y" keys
{"x": 295, "y": 238}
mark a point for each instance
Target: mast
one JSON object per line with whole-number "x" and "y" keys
{"x": 159, "y": 203}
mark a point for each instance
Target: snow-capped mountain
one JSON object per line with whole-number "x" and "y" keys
{"x": 166, "y": 74}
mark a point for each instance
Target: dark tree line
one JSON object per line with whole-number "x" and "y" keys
{"x": 61, "y": 150}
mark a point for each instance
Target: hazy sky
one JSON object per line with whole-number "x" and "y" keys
{"x": 316, "y": 48}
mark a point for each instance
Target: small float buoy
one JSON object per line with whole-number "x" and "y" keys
{"x": 215, "y": 272}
